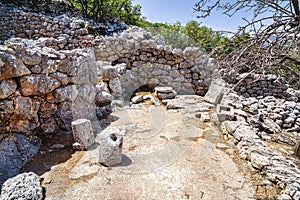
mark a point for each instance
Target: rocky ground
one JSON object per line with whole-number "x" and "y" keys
{"x": 167, "y": 154}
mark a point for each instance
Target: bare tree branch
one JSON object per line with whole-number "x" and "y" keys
{"x": 273, "y": 36}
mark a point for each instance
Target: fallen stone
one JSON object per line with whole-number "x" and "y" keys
{"x": 163, "y": 96}
{"x": 154, "y": 100}
{"x": 15, "y": 152}
{"x": 57, "y": 146}
{"x": 23, "y": 186}
{"x": 231, "y": 126}
{"x": 205, "y": 117}
{"x": 83, "y": 132}
{"x": 102, "y": 98}
{"x": 110, "y": 147}
{"x": 163, "y": 89}
{"x": 244, "y": 132}
{"x": 215, "y": 92}
{"x": 224, "y": 113}
{"x": 241, "y": 113}
{"x": 259, "y": 161}
{"x": 270, "y": 126}
{"x": 115, "y": 86}
{"x": 78, "y": 147}
{"x": 221, "y": 146}
{"x": 137, "y": 99}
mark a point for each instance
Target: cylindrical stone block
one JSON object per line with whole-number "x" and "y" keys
{"x": 83, "y": 132}
{"x": 110, "y": 148}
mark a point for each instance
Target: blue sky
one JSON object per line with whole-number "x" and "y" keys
{"x": 182, "y": 10}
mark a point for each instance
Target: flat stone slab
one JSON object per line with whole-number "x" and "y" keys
{"x": 215, "y": 92}
{"x": 163, "y": 89}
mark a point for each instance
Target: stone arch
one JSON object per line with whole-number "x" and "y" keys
{"x": 153, "y": 74}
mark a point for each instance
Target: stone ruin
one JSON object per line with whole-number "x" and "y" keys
{"x": 53, "y": 72}
{"x": 46, "y": 82}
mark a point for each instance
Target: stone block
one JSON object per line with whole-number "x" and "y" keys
{"x": 137, "y": 99}
{"x": 215, "y": 92}
{"x": 110, "y": 148}
{"x": 224, "y": 113}
{"x": 163, "y": 89}
{"x": 205, "y": 117}
{"x": 83, "y": 132}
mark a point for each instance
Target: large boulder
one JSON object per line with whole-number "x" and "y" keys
{"x": 15, "y": 152}
{"x": 26, "y": 186}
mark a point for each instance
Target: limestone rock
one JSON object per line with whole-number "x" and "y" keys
{"x": 23, "y": 186}
{"x": 66, "y": 93}
{"x": 215, "y": 92}
{"x": 259, "y": 161}
{"x": 49, "y": 125}
{"x": 63, "y": 78}
{"x": 163, "y": 89}
{"x": 25, "y": 117}
{"x": 64, "y": 115}
{"x": 137, "y": 99}
{"x": 102, "y": 98}
{"x": 270, "y": 126}
{"x": 47, "y": 109}
{"x": 83, "y": 132}
{"x": 102, "y": 86}
{"x": 7, "y": 87}
{"x": 103, "y": 111}
{"x": 115, "y": 86}
{"x": 231, "y": 126}
{"x": 26, "y": 107}
{"x": 15, "y": 151}
{"x": 205, "y": 117}
{"x": 6, "y": 110}
{"x": 31, "y": 57}
{"x": 12, "y": 68}
{"x": 108, "y": 72}
{"x": 110, "y": 148}
{"x": 244, "y": 132}
{"x": 38, "y": 84}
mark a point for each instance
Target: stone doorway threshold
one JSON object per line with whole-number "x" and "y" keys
{"x": 167, "y": 154}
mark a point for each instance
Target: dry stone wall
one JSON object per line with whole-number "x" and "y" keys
{"x": 41, "y": 92}
{"x": 39, "y": 86}
{"x": 149, "y": 61}
{"x": 58, "y": 31}
{"x": 260, "y": 85}
{"x": 188, "y": 71}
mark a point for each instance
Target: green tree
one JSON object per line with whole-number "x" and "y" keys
{"x": 191, "y": 34}
{"x": 105, "y": 10}
{"x": 172, "y": 34}
{"x": 204, "y": 36}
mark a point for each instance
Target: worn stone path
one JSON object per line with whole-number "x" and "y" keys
{"x": 166, "y": 155}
